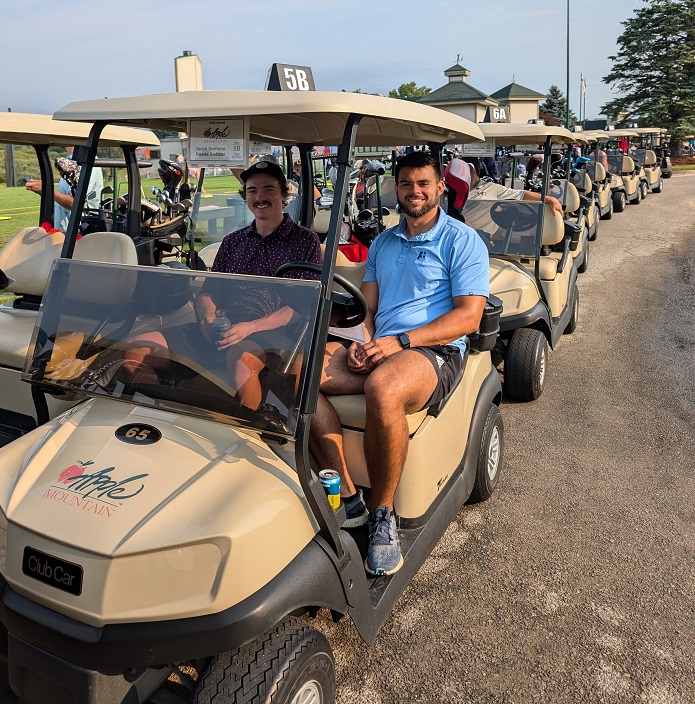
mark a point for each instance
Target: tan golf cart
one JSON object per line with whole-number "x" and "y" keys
{"x": 26, "y": 260}
{"x": 163, "y": 529}
{"x": 648, "y": 141}
{"x": 598, "y": 173}
{"x": 531, "y": 264}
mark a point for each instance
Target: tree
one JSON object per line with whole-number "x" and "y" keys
{"x": 406, "y": 91}
{"x": 556, "y": 105}
{"x": 655, "y": 68}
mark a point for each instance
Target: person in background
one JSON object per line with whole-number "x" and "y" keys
{"x": 486, "y": 190}
{"x": 63, "y": 196}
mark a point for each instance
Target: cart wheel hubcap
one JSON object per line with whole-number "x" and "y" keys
{"x": 310, "y": 693}
{"x": 493, "y": 453}
{"x": 541, "y": 369}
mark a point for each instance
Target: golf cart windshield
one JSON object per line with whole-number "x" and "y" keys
{"x": 86, "y": 343}
{"x": 508, "y": 227}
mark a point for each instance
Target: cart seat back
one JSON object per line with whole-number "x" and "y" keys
{"x": 596, "y": 171}
{"x": 582, "y": 182}
{"x": 621, "y": 164}
{"x": 553, "y": 227}
{"x": 567, "y": 194}
{"x": 27, "y": 258}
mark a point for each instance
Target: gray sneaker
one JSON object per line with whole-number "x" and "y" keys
{"x": 384, "y": 553}
{"x": 355, "y": 511}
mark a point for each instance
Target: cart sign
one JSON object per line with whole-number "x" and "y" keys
{"x": 217, "y": 142}
{"x": 479, "y": 149}
{"x": 286, "y": 77}
{"x": 500, "y": 113}
{"x": 260, "y": 147}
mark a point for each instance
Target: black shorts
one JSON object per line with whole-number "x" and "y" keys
{"x": 447, "y": 361}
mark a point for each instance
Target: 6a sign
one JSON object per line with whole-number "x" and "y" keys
{"x": 499, "y": 113}
{"x": 287, "y": 77}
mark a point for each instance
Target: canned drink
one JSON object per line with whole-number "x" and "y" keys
{"x": 330, "y": 481}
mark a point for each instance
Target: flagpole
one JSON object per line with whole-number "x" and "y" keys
{"x": 567, "y": 97}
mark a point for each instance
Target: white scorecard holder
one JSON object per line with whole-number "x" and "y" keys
{"x": 486, "y": 148}
{"x": 218, "y": 141}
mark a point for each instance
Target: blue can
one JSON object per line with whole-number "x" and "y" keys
{"x": 330, "y": 481}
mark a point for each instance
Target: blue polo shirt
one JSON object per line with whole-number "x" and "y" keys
{"x": 418, "y": 278}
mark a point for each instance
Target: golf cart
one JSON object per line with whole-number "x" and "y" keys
{"x": 599, "y": 175}
{"x": 646, "y": 155}
{"x": 623, "y": 165}
{"x": 163, "y": 529}
{"x": 26, "y": 259}
{"x": 531, "y": 264}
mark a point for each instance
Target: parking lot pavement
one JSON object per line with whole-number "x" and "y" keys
{"x": 574, "y": 582}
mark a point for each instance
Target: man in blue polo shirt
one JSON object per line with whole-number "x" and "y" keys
{"x": 426, "y": 283}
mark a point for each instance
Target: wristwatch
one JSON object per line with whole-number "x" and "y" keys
{"x": 404, "y": 339}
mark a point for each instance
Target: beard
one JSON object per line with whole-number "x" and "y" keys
{"x": 425, "y": 208}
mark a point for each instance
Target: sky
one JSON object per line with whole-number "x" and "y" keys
{"x": 58, "y": 52}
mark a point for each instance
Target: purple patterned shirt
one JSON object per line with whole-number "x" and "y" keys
{"x": 246, "y": 252}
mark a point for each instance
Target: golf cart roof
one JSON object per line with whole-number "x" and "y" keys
{"x": 313, "y": 117}
{"x": 28, "y": 129}
{"x": 509, "y": 133}
{"x": 621, "y": 133}
{"x": 650, "y": 130}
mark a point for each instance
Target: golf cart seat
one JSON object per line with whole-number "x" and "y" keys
{"x": 596, "y": 172}
{"x": 582, "y": 182}
{"x": 567, "y": 194}
{"x": 647, "y": 157}
{"x": 28, "y": 258}
{"x": 322, "y": 219}
{"x": 623, "y": 165}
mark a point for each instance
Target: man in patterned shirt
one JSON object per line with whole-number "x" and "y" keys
{"x": 256, "y": 313}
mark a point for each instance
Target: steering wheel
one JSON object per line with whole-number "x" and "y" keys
{"x": 356, "y": 308}
{"x": 514, "y": 216}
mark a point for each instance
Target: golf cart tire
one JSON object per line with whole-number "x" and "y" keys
{"x": 638, "y": 197}
{"x": 658, "y": 187}
{"x": 597, "y": 220}
{"x": 619, "y": 201}
{"x": 574, "y": 317}
{"x": 585, "y": 261}
{"x": 288, "y": 659}
{"x": 490, "y": 456}
{"x": 525, "y": 364}
{"x": 644, "y": 188}
{"x": 608, "y": 215}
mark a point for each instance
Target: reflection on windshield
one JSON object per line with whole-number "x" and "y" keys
{"x": 508, "y": 227}
{"x": 147, "y": 336}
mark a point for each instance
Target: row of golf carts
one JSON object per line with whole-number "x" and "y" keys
{"x": 160, "y": 542}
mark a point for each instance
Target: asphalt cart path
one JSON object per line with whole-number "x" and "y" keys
{"x": 574, "y": 583}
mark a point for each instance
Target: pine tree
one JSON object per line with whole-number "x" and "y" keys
{"x": 655, "y": 68}
{"x": 555, "y": 104}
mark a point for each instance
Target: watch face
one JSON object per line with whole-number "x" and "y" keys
{"x": 404, "y": 340}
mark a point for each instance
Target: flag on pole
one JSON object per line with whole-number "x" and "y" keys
{"x": 583, "y": 84}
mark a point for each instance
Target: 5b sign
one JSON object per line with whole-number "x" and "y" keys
{"x": 286, "y": 77}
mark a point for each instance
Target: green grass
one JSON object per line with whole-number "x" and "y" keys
{"x": 21, "y": 207}
{"x": 684, "y": 167}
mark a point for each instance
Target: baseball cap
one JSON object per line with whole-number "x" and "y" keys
{"x": 264, "y": 167}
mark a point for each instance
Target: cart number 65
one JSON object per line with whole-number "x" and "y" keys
{"x": 138, "y": 434}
